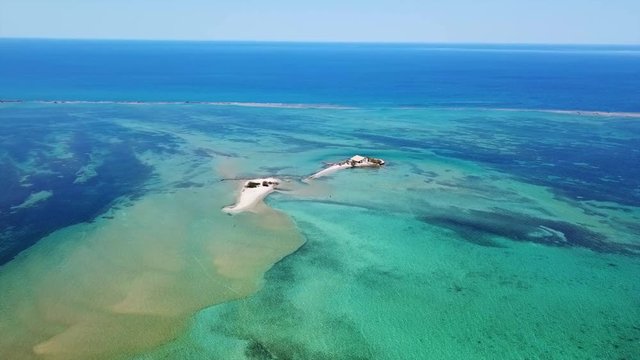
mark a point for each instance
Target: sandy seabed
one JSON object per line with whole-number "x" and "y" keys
{"x": 119, "y": 285}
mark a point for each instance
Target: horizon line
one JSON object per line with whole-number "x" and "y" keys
{"x": 319, "y": 41}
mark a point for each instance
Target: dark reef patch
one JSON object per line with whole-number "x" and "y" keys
{"x": 480, "y": 227}
{"x": 394, "y": 142}
{"x": 632, "y": 226}
{"x": 272, "y": 334}
{"x": 210, "y": 153}
{"x": 256, "y": 350}
{"x": 275, "y": 169}
{"x": 188, "y": 184}
{"x": 318, "y": 254}
{"x": 336, "y": 203}
{"x": 581, "y": 159}
{"x": 32, "y": 162}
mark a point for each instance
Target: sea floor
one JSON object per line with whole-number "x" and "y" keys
{"x": 488, "y": 234}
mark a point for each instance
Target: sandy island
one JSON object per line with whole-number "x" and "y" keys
{"x": 253, "y": 192}
{"x": 354, "y": 162}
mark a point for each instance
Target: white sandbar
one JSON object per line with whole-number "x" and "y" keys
{"x": 253, "y": 192}
{"x": 354, "y": 162}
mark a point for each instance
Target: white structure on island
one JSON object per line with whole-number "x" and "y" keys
{"x": 354, "y": 162}
{"x": 252, "y": 193}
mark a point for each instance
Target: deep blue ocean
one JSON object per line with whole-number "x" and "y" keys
{"x": 505, "y": 223}
{"x": 602, "y": 78}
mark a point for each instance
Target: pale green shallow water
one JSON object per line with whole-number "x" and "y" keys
{"x": 441, "y": 254}
{"x": 399, "y": 289}
{"x": 376, "y": 283}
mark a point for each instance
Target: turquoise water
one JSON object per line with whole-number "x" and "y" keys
{"x": 380, "y": 278}
{"x": 490, "y": 233}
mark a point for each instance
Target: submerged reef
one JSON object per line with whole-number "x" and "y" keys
{"x": 481, "y": 227}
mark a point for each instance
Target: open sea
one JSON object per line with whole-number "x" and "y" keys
{"x": 505, "y": 224}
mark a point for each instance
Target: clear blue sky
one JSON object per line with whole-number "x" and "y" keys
{"x": 493, "y": 21}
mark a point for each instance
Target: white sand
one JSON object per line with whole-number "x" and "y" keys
{"x": 356, "y": 161}
{"x": 250, "y": 197}
{"x": 330, "y": 170}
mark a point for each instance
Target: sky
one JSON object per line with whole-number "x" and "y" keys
{"x": 461, "y": 21}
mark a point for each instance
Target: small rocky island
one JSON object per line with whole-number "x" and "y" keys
{"x": 354, "y": 162}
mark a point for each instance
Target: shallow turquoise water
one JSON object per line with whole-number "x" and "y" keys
{"x": 373, "y": 286}
{"x": 489, "y": 234}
